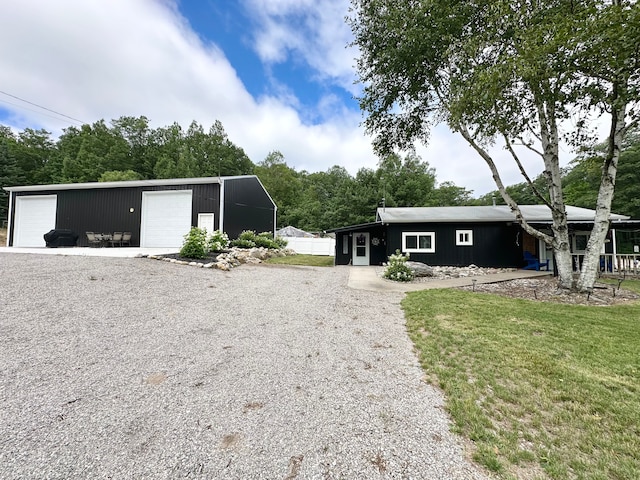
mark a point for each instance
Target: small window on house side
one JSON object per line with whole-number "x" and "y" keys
{"x": 464, "y": 237}
{"x": 345, "y": 244}
{"x": 581, "y": 242}
{"x": 419, "y": 242}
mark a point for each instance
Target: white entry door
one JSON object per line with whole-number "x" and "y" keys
{"x": 166, "y": 218}
{"x": 360, "y": 255}
{"x": 35, "y": 216}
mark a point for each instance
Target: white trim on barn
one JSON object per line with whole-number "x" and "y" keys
{"x": 35, "y": 216}
{"x": 166, "y": 218}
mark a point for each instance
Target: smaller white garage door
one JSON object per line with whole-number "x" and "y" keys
{"x": 35, "y": 216}
{"x": 166, "y": 218}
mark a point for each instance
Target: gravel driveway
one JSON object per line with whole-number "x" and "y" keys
{"x": 135, "y": 368}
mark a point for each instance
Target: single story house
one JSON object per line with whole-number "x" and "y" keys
{"x": 487, "y": 236}
{"x": 158, "y": 213}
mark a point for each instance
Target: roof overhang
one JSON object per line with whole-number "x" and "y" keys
{"x": 354, "y": 228}
{"x": 483, "y": 214}
{"x": 123, "y": 184}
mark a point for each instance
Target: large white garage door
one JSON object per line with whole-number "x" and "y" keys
{"x": 35, "y": 216}
{"x": 166, "y": 218}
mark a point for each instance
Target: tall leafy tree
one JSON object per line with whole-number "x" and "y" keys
{"x": 36, "y": 157}
{"x": 10, "y": 173}
{"x": 91, "y": 150}
{"x": 407, "y": 182}
{"x": 142, "y": 143}
{"x": 283, "y": 184}
{"x": 582, "y": 180}
{"x": 448, "y": 194}
{"x": 507, "y": 70}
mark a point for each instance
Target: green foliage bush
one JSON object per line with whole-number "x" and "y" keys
{"x": 195, "y": 244}
{"x": 281, "y": 242}
{"x": 217, "y": 241}
{"x": 249, "y": 239}
{"x": 397, "y": 268}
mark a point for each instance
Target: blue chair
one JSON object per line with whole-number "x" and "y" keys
{"x": 533, "y": 263}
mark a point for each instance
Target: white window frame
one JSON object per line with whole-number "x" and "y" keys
{"x": 460, "y": 241}
{"x": 418, "y": 235}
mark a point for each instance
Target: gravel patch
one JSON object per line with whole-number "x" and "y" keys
{"x": 132, "y": 368}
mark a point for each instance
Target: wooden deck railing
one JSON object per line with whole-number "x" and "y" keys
{"x": 609, "y": 263}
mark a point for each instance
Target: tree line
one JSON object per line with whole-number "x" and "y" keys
{"x": 129, "y": 149}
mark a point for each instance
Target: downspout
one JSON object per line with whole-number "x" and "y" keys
{"x": 221, "y": 214}
{"x": 9, "y": 215}
{"x": 614, "y": 260}
{"x": 275, "y": 215}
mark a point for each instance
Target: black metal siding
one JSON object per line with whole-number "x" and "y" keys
{"x": 107, "y": 210}
{"x": 494, "y": 244}
{"x": 247, "y": 206}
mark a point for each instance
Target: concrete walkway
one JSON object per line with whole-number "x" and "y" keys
{"x": 367, "y": 278}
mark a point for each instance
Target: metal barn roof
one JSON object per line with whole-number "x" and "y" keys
{"x": 122, "y": 184}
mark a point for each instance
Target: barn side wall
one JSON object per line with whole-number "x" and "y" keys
{"x": 247, "y": 206}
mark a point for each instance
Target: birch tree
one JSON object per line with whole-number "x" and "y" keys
{"x": 517, "y": 72}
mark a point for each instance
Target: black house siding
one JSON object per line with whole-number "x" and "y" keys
{"x": 247, "y": 206}
{"x": 494, "y": 244}
{"x": 377, "y": 253}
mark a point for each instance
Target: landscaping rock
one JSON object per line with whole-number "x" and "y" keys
{"x": 420, "y": 269}
{"x": 230, "y": 258}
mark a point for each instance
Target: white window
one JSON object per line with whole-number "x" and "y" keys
{"x": 419, "y": 242}
{"x": 464, "y": 237}
{"x": 345, "y": 244}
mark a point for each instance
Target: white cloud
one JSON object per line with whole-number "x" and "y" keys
{"x": 96, "y": 60}
{"x": 313, "y": 31}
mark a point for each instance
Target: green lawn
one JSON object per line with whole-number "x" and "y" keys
{"x": 308, "y": 260}
{"x": 547, "y": 389}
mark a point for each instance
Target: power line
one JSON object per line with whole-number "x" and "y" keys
{"x": 30, "y": 109}
{"x": 44, "y": 108}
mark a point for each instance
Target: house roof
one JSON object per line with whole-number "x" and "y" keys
{"x": 291, "y": 231}
{"x": 498, "y": 213}
{"x": 123, "y": 184}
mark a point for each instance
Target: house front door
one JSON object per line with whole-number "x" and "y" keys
{"x": 360, "y": 255}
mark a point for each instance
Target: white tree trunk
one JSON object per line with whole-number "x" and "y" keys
{"x": 550, "y": 146}
{"x": 591, "y": 262}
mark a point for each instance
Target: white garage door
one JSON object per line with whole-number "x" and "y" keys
{"x": 35, "y": 216}
{"x": 166, "y": 218}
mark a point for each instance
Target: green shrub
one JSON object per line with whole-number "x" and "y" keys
{"x": 281, "y": 242}
{"x": 246, "y": 239}
{"x": 240, "y": 243}
{"x": 249, "y": 239}
{"x": 195, "y": 244}
{"x": 397, "y": 268}
{"x": 217, "y": 241}
{"x": 265, "y": 240}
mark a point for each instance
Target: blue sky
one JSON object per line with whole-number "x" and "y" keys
{"x": 277, "y": 73}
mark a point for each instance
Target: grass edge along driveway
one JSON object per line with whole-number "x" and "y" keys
{"x": 542, "y": 390}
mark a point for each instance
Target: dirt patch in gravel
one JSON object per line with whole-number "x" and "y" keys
{"x": 546, "y": 290}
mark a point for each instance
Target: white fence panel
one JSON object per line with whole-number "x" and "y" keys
{"x": 312, "y": 246}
